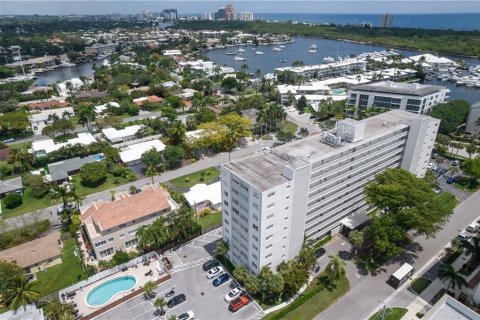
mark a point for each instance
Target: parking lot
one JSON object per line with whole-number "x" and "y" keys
{"x": 206, "y": 301}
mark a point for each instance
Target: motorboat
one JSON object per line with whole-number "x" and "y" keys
{"x": 277, "y": 49}
{"x": 241, "y": 50}
{"x": 312, "y": 50}
{"x": 313, "y": 47}
{"x": 239, "y": 58}
{"x": 259, "y": 53}
{"x": 282, "y": 46}
{"x": 67, "y": 64}
{"x": 329, "y": 59}
{"x": 106, "y": 63}
{"x": 283, "y": 60}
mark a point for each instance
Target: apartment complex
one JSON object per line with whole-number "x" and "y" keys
{"x": 412, "y": 97}
{"x": 245, "y": 16}
{"x": 112, "y": 226}
{"x": 386, "y": 20}
{"x": 100, "y": 49}
{"x": 313, "y": 187}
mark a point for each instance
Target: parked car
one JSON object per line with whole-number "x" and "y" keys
{"x": 238, "y": 303}
{"x": 450, "y": 180}
{"x": 233, "y": 294}
{"x": 176, "y": 300}
{"x": 271, "y": 136}
{"x": 210, "y": 264}
{"x": 224, "y": 277}
{"x": 437, "y": 190}
{"x": 189, "y": 315}
{"x": 442, "y": 170}
{"x": 212, "y": 273}
{"x": 320, "y": 252}
{"x": 463, "y": 236}
{"x": 456, "y": 163}
{"x": 8, "y": 140}
{"x": 431, "y": 165}
{"x": 472, "y": 228}
{"x": 434, "y": 155}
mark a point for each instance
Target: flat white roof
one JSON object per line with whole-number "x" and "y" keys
{"x": 113, "y": 134}
{"x": 83, "y": 138}
{"x": 402, "y": 271}
{"x": 448, "y": 308}
{"x": 44, "y": 114}
{"x": 134, "y": 152}
{"x": 103, "y": 107}
{"x": 202, "y": 192}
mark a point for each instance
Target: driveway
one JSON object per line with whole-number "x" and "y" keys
{"x": 302, "y": 120}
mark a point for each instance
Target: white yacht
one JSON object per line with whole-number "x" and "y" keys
{"x": 328, "y": 59}
{"x": 259, "y": 53}
{"x": 313, "y": 47}
{"x": 282, "y": 46}
{"x": 241, "y": 50}
{"x": 67, "y": 64}
{"x": 277, "y": 49}
{"x": 239, "y": 58}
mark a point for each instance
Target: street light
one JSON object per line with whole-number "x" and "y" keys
{"x": 384, "y": 311}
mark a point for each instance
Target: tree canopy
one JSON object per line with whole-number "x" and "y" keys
{"x": 93, "y": 173}
{"x": 452, "y": 115}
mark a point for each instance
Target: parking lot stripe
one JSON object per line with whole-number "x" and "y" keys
{"x": 228, "y": 282}
{"x": 143, "y": 313}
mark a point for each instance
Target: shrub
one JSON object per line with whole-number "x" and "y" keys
{"x": 93, "y": 173}
{"x": 12, "y": 200}
{"x": 187, "y": 179}
{"x": 205, "y": 212}
{"x": 117, "y": 171}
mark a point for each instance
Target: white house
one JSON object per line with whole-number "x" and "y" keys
{"x": 132, "y": 154}
{"x": 115, "y": 136}
{"x": 100, "y": 109}
{"x": 44, "y": 147}
{"x": 205, "y": 195}
{"x": 40, "y": 120}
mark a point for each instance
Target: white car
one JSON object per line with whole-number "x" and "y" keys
{"x": 212, "y": 273}
{"x": 235, "y": 292}
{"x": 189, "y": 315}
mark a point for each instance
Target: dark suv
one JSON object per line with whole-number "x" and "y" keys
{"x": 210, "y": 264}
{"x": 176, "y": 300}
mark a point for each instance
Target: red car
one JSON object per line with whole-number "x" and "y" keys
{"x": 238, "y": 303}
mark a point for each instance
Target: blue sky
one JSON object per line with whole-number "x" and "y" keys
{"x": 265, "y": 6}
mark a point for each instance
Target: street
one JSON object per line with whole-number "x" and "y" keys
{"x": 50, "y": 212}
{"x": 368, "y": 289}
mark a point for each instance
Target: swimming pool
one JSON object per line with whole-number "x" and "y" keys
{"x": 103, "y": 293}
{"x": 99, "y": 157}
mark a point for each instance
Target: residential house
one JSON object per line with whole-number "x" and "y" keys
{"x": 132, "y": 155}
{"x": 43, "y": 147}
{"x": 11, "y": 185}
{"x": 36, "y": 255}
{"x": 40, "y": 120}
{"x": 60, "y": 171}
{"x": 117, "y": 136}
{"x": 47, "y": 105}
{"x": 152, "y": 99}
{"x": 205, "y": 195}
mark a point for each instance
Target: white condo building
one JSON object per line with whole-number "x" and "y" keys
{"x": 313, "y": 187}
{"x": 412, "y": 97}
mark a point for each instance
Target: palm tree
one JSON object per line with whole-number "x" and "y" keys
{"x": 21, "y": 158}
{"x": 176, "y": 133}
{"x": 448, "y": 273}
{"x": 76, "y": 198}
{"x": 55, "y": 310}
{"x": 21, "y": 294}
{"x": 356, "y": 238}
{"x": 149, "y": 288}
{"x": 453, "y": 170}
{"x": 160, "y": 303}
{"x": 151, "y": 172}
{"x": 172, "y": 317}
{"x": 335, "y": 269}
{"x": 86, "y": 116}
{"x": 472, "y": 248}
{"x": 61, "y": 192}
{"x": 222, "y": 249}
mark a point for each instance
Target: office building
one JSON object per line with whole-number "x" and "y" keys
{"x": 307, "y": 189}
{"x": 112, "y": 226}
{"x": 220, "y": 14}
{"x": 229, "y": 12}
{"x": 245, "y": 16}
{"x": 386, "y": 20}
{"x": 412, "y": 97}
{"x": 170, "y": 14}
{"x": 106, "y": 49}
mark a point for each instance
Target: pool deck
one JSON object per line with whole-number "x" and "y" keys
{"x": 139, "y": 273}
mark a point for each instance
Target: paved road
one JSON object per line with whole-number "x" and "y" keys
{"x": 50, "y": 212}
{"x": 302, "y": 120}
{"x": 368, "y": 289}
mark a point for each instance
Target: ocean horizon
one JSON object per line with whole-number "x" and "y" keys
{"x": 442, "y": 21}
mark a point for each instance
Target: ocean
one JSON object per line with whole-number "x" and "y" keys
{"x": 455, "y": 21}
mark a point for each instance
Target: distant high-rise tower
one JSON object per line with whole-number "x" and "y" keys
{"x": 245, "y": 16}
{"x": 386, "y": 20}
{"x": 229, "y": 12}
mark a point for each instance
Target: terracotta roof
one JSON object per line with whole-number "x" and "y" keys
{"x": 107, "y": 215}
{"x": 36, "y": 251}
{"x": 48, "y": 104}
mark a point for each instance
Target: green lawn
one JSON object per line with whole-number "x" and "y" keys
{"x": 288, "y": 126}
{"x": 448, "y": 199}
{"x": 110, "y": 183}
{"x": 63, "y": 275}
{"x": 29, "y": 204}
{"x": 316, "y": 304}
{"x": 420, "y": 284}
{"x": 212, "y": 219}
{"x": 211, "y": 174}
{"x": 392, "y": 314}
